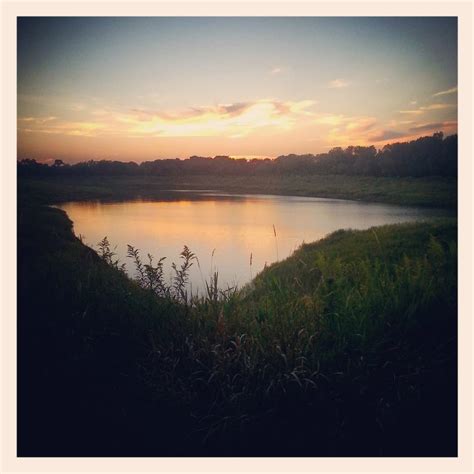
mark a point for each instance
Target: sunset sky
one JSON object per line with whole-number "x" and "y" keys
{"x": 147, "y": 88}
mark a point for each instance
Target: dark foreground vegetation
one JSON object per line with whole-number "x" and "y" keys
{"x": 347, "y": 348}
{"x": 427, "y": 156}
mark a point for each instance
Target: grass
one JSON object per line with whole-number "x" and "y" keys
{"x": 429, "y": 191}
{"x": 346, "y": 348}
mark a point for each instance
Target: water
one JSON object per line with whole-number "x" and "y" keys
{"x": 223, "y": 230}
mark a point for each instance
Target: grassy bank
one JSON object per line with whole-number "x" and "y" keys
{"x": 348, "y": 347}
{"x": 431, "y": 191}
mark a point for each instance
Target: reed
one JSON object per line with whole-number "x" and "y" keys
{"x": 276, "y": 242}
{"x": 250, "y": 264}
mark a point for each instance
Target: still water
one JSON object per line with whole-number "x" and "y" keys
{"x": 224, "y": 230}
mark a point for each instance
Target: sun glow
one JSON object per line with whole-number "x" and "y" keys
{"x": 176, "y": 89}
{"x": 232, "y": 120}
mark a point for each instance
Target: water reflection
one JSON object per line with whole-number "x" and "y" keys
{"x": 223, "y": 230}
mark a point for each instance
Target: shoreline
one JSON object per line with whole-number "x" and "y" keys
{"x": 433, "y": 192}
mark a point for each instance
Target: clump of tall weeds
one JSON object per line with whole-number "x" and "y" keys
{"x": 149, "y": 275}
{"x": 181, "y": 274}
{"x": 107, "y": 255}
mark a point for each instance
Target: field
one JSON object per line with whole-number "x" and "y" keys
{"x": 346, "y": 348}
{"x": 428, "y": 191}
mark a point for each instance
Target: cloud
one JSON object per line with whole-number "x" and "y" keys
{"x": 235, "y": 108}
{"x": 397, "y": 123}
{"x": 382, "y": 135}
{"x": 55, "y": 126}
{"x": 276, "y": 70}
{"x": 38, "y": 120}
{"x": 411, "y": 112}
{"x": 221, "y": 110}
{"x": 438, "y": 106}
{"x": 446, "y": 92}
{"x": 331, "y": 119}
{"x": 100, "y": 112}
{"x": 421, "y": 110}
{"x": 364, "y": 130}
{"x": 231, "y": 120}
{"x": 433, "y": 126}
{"x": 338, "y": 84}
{"x": 344, "y": 129}
{"x": 361, "y": 124}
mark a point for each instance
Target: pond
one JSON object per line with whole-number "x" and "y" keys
{"x": 235, "y": 235}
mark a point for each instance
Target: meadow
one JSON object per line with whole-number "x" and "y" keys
{"x": 346, "y": 348}
{"x": 431, "y": 191}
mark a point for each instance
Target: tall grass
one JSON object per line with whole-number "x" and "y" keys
{"x": 308, "y": 326}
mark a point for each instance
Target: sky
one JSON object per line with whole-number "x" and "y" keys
{"x": 144, "y": 88}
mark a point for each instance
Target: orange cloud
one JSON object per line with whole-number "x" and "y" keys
{"x": 438, "y": 106}
{"x": 412, "y": 112}
{"x": 37, "y": 119}
{"x": 52, "y": 125}
{"x": 426, "y": 127}
{"x": 361, "y": 125}
{"x": 383, "y": 135}
{"x": 231, "y": 120}
{"x": 346, "y": 129}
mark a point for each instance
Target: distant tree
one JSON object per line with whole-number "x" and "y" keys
{"x": 426, "y": 156}
{"x": 30, "y": 167}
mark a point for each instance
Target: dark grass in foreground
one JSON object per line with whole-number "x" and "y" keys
{"x": 347, "y": 348}
{"x": 427, "y": 191}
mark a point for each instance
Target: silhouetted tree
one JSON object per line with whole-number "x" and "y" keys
{"x": 426, "y": 156}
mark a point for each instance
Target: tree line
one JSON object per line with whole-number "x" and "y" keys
{"x": 434, "y": 155}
